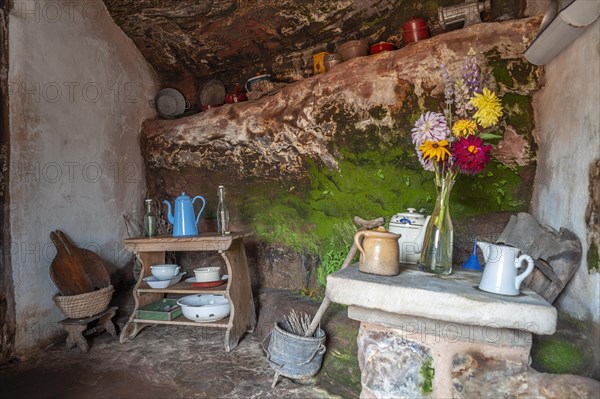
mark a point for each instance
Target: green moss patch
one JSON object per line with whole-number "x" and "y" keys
{"x": 427, "y": 373}
{"x": 593, "y": 258}
{"x": 340, "y": 367}
{"x": 557, "y": 356}
{"x": 519, "y": 113}
{"x": 316, "y": 216}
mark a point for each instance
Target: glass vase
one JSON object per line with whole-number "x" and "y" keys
{"x": 436, "y": 255}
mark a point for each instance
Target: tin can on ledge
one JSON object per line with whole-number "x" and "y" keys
{"x": 414, "y": 30}
{"x": 319, "y": 62}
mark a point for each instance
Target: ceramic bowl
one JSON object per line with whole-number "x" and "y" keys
{"x": 353, "y": 49}
{"x": 203, "y": 308}
{"x": 153, "y": 282}
{"x": 205, "y": 274}
{"x": 252, "y": 81}
{"x": 164, "y": 272}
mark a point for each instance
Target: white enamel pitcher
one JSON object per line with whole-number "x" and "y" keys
{"x": 500, "y": 272}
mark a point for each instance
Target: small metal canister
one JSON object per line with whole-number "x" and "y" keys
{"x": 332, "y": 60}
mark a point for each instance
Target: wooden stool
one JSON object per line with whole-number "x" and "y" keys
{"x": 77, "y": 328}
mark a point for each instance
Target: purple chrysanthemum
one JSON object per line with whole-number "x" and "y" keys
{"x": 430, "y": 126}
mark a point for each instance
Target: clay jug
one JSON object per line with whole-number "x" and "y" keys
{"x": 378, "y": 252}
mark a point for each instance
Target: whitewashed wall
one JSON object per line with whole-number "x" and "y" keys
{"x": 78, "y": 92}
{"x": 567, "y": 125}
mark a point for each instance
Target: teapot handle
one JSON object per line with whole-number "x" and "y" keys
{"x": 201, "y": 209}
{"x": 527, "y": 271}
{"x": 357, "y": 237}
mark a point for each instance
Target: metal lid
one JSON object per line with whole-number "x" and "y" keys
{"x": 409, "y": 218}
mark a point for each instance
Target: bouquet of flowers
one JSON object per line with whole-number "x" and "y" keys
{"x": 451, "y": 142}
{"x": 447, "y": 144}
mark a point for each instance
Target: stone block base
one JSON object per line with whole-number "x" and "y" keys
{"x": 406, "y": 357}
{"x": 413, "y": 357}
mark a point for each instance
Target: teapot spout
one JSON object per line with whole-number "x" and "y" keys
{"x": 169, "y": 211}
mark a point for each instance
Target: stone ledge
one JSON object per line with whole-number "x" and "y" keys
{"x": 453, "y": 298}
{"x": 272, "y": 137}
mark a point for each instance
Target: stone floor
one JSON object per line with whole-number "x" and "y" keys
{"x": 164, "y": 361}
{"x": 183, "y": 362}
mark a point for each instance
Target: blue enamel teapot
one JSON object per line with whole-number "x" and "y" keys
{"x": 185, "y": 223}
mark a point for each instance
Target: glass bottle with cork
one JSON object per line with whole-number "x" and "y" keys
{"x": 222, "y": 213}
{"x": 150, "y": 221}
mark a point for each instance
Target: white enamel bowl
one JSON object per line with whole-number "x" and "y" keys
{"x": 204, "y": 307}
{"x": 164, "y": 272}
{"x": 205, "y": 274}
{"x": 153, "y": 282}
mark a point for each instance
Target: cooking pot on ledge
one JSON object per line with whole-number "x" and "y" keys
{"x": 415, "y": 29}
{"x": 353, "y": 49}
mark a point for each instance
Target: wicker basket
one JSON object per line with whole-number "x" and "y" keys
{"x": 84, "y": 305}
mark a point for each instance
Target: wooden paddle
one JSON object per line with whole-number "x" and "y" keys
{"x": 93, "y": 265}
{"x": 67, "y": 271}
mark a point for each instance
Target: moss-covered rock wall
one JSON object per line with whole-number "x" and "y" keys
{"x": 299, "y": 163}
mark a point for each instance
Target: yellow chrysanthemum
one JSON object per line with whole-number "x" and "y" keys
{"x": 435, "y": 150}
{"x": 489, "y": 108}
{"x": 464, "y": 128}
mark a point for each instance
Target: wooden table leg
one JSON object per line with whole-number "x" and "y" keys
{"x": 239, "y": 294}
{"x": 132, "y": 328}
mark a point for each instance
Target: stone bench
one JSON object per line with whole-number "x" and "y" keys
{"x": 423, "y": 334}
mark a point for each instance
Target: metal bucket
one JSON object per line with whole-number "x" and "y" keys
{"x": 294, "y": 356}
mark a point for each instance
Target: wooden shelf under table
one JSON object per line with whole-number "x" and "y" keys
{"x": 183, "y": 288}
{"x": 183, "y": 321}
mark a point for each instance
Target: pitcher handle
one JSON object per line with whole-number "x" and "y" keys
{"x": 357, "y": 242}
{"x": 527, "y": 271}
{"x": 201, "y": 209}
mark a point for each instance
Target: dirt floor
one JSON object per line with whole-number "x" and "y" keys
{"x": 161, "y": 362}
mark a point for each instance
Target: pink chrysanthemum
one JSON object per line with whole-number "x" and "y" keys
{"x": 430, "y": 126}
{"x": 470, "y": 154}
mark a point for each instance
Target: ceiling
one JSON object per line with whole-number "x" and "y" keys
{"x": 188, "y": 42}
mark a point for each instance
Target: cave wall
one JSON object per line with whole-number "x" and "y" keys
{"x": 567, "y": 182}
{"x": 78, "y": 91}
{"x": 300, "y": 162}
{"x": 189, "y": 42}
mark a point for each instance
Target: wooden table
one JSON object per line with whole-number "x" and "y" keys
{"x": 151, "y": 251}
